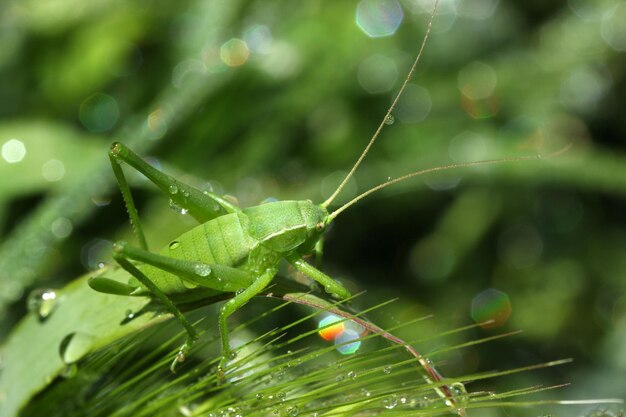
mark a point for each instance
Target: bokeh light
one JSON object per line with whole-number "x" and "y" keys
{"x": 492, "y": 308}
{"x": 587, "y": 10}
{"x": 258, "y": 38}
{"x": 61, "y": 227}
{"x": 477, "y": 9}
{"x": 414, "y": 105}
{"x": 378, "y": 18}
{"x": 583, "y": 88}
{"x": 186, "y": 69}
{"x": 99, "y": 112}
{"x": 477, "y": 83}
{"x": 467, "y": 146}
{"x": 53, "y": 170}
{"x": 614, "y": 29}
{"x": 344, "y": 333}
{"x": 234, "y": 52}
{"x": 477, "y": 80}
{"x": 13, "y": 151}
{"x": 347, "y": 342}
{"x": 156, "y": 124}
{"x": 333, "y": 330}
{"x": 377, "y": 73}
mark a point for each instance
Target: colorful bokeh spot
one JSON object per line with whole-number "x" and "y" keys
{"x": 344, "y": 333}
{"x": 492, "y": 308}
{"x": 378, "y": 18}
{"x": 331, "y": 332}
{"x": 477, "y": 83}
{"x": 347, "y": 342}
{"x": 99, "y": 112}
{"x": 234, "y": 52}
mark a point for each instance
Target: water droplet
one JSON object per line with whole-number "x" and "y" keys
{"x": 239, "y": 291}
{"x": 130, "y": 315}
{"x": 189, "y": 284}
{"x": 174, "y": 244}
{"x": 390, "y": 119}
{"x": 387, "y": 369}
{"x": 174, "y": 206}
{"x": 460, "y": 393}
{"x": 231, "y": 199}
{"x": 365, "y": 392}
{"x": 69, "y": 371}
{"x": 42, "y": 302}
{"x": 74, "y": 346}
{"x": 339, "y": 378}
{"x": 232, "y": 355}
{"x": 292, "y": 411}
{"x": 390, "y": 402}
{"x": 281, "y": 395}
{"x": 101, "y": 265}
{"x": 351, "y": 374}
{"x": 173, "y": 189}
{"x": 186, "y": 193}
{"x": 458, "y": 389}
{"x": 259, "y": 396}
{"x": 202, "y": 269}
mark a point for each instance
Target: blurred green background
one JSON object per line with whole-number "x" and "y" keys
{"x": 276, "y": 99}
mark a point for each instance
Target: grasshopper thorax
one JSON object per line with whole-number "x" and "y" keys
{"x": 284, "y": 226}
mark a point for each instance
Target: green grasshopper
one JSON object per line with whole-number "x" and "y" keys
{"x": 234, "y": 250}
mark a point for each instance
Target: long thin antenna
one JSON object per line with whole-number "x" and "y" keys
{"x": 388, "y": 116}
{"x": 386, "y": 184}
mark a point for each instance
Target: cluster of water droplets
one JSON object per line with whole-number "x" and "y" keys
{"x": 173, "y": 190}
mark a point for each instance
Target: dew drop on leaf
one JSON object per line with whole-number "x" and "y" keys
{"x": 174, "y": 206}
{"x": 390, "y": 402}
{"x": 42, "y": 302}
{"x": 74, "y": 346}
{"x": 69, "y": 371}
{"x": 202, "y": 270}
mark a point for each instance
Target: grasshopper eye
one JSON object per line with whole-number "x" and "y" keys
{"x": 319, "y": 227}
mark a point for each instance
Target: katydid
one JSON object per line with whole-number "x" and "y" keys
{"x": 233, "y": 250}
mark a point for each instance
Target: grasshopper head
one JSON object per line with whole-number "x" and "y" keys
{"x": 316, "y": 220}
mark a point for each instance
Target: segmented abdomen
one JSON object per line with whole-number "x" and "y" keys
{"x": 223, "y": 241}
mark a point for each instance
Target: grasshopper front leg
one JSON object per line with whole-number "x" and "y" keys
{"x": 330, "y": 285}
{"x": 232, "y": 305}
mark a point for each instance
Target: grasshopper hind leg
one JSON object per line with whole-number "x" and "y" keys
{"x": 192, "y": 335}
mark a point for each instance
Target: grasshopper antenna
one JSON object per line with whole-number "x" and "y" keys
{"x": 386, "y": 184}
{"x": 389, "y": 111}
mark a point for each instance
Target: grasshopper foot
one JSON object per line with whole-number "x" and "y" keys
{"x": 221, "y": 368}
{"x": 182, "y": 354}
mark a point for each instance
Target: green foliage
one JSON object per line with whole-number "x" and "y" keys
{"x": 75, "y": 76}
